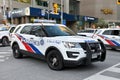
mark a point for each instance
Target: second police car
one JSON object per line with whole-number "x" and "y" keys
{"x": 55, "y": 43}
{"x": 109, "y": 36}
{"x": 4, "y": 36}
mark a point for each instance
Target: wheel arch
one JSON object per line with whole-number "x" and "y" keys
{"x": 14, "y": 43}
{"x": 103, "y": 55}
{"x": 5, "y": 37}
{"x": 50, "y": 49}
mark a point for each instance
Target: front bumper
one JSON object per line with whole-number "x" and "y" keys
{"x": 101, "y": 55}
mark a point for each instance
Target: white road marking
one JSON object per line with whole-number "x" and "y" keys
{"x": 5, "y": 52}
{"x": 2, "y": 60}
{"x": 98, "y": 75}
{"x": 1, "y": 56}
{"x": 4, "y": 56}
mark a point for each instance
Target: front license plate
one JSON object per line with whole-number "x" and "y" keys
{"x": 94, "y": 55}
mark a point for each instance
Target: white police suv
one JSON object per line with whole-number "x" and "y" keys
{"x": 109, "y": 36}
{"x": 4, "y": 36}
{"x": 88, "y": 32}
{"x": 55, "y": 43}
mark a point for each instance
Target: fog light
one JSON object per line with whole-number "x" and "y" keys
{"x": 72, "y": 54}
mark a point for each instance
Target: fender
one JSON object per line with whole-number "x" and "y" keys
{"x": 103, "y": 55}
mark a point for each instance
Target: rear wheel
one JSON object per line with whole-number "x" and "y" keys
{"x": 55, "y": 60}
{"x": 16, "y": 52}
{"x": 5, "y": 41}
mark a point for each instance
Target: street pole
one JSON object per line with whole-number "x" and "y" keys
{"x": 4, "y": 9}
{"x": 48, "y": 9}
{"x": 61, "y": 11}
{"x": 11, "y": 16}
{"x": 31, "y": 2}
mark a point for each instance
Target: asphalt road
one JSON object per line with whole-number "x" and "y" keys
{"x": 34, "y": 69}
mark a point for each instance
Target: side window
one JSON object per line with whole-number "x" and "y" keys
{"x": 37, "y": 31}
{"x": 116, "y": 32}
{"x": 107, "y": 32}
{"x": 17, "y": 29}
{"x": 26, "y": 30}
{"x": 12, "y": 29}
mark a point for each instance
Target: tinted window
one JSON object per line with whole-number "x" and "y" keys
{"x": 26, "y": 30}
{"x": 12, "y": 29}
{"x": 37, "y": 30}
{"x": 107, "y": 32}
{"x": 58, "y": 31}
{"x": 116, "y": 32}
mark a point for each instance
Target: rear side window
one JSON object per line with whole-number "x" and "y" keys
{"x": 37, "y": 31}
{"x": 26, "y": 30}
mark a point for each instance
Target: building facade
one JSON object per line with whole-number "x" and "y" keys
{"x": 67, "y": 12}
{"x": 41, "y": 4}
{"x": 108, "y": 10}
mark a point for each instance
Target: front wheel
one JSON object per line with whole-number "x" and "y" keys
{"x": 16, "y": 52}
{"x": 5, "y": 41}
{"x": 55, "y": 60}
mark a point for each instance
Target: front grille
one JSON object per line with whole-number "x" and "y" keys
{"x": 83, "y": 45}
{"x": 94, "y": 47}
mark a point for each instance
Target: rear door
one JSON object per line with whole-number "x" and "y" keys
{"x": 112, "y": 37}
{"x": 37, "y": 39}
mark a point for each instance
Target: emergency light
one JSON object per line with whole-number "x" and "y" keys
{"x": 43, "y": 21}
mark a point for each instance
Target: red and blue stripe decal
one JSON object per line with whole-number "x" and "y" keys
{"x": 29, "y": 47}
{"x": 110, "y": 42}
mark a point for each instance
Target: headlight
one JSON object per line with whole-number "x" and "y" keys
{"x": 71, "y": 45}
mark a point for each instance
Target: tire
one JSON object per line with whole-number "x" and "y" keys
{"x": 55, "y": 60}
{"x": 16, "y": 52}
{"x": 5, "y": 41}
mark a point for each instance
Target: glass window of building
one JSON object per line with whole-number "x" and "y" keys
{"x": 42, "y": 3}
{"x": 24, "y": 1}
{"x": 74, "y": 7}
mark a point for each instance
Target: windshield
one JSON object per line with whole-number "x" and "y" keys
{"x": 58, "y": 31}
{"x": 3, "y": 29}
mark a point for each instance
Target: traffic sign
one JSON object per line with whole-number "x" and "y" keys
{"x": 118, "y": 1}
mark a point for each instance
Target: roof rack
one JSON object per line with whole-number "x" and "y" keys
{"x": 43, "y": 21}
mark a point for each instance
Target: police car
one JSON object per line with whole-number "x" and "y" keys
{"x": 55, "y": 43}
{"x": 88, "y": 32}
{"x": 109, "y": 36}
{"x": 4, "y": 36}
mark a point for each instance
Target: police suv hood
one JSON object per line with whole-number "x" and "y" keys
{"x": 75, "y": 39}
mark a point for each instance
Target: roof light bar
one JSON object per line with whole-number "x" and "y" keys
{"x": 43, "y": 21}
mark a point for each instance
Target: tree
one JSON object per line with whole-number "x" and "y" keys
{"x": 101, "y": 23}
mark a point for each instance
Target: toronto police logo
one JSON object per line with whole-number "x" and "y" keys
{"x": 42, "y": 42}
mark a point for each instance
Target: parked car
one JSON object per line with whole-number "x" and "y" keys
{"x": 11, "y": 29}
{"x": 109, "y": 36}
{"x": 87, "y": 32}
{"x": 4, "y": 36}
{"x": 55, "y": 43}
